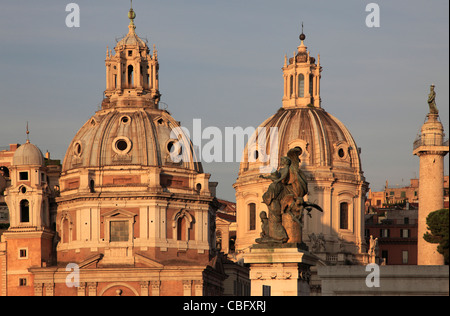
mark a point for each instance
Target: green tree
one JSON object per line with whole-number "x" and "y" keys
{"x": 438, "y": 226}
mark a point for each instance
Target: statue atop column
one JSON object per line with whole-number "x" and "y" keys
{"x": 432, "y": 101}
{"x": 285, "y": 202}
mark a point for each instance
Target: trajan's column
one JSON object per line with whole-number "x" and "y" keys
{"x": 431, "y": 147}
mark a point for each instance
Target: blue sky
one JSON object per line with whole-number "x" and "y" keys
{"x": 221, "y": 61}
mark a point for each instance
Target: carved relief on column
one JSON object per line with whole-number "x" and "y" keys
{"x": 156, "y": 287}
{"x": 81, "y": 290}
{"x": 187, "y": 288}
{"x": 38, "y": 287}
{"x": 49, "y": 289}
{"x": 198, "y": 288}
{"x": 144, "y": 288}
{"x": 92, "y": 288}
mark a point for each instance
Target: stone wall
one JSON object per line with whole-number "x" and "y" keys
{"x": 393, "y": 280}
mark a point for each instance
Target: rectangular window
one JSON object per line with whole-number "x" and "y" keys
{"x": 119, "y": 231}
{"x": 384, "y": 233}
{"x": 23, "y": 253}
{"x": 405, "y": 256}
{"x": 23, "y": 176}
{"x": 405, "y": 233}
{"x": 22, "y": 282}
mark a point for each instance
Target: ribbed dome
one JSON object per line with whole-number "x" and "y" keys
{"x": 324, "y": 140}
{"x": 129, "y": 137}
{"x": 28, "y": 154}
{"x": 132, "y": 39}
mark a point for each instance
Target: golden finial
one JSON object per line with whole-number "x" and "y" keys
{"x": 28, "y": 134}
{"x": 302, "y": 36}
{"x": 131, "y": 14}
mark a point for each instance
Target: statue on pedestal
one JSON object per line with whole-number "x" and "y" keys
{"x": 432, "y": 101}
{"x": 285, "y": 201}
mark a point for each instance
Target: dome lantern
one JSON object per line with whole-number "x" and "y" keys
{"x": 302, "y": 79}
{"x": 132, "y": 72}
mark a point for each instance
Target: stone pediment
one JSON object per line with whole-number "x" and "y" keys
{"x": 138, "y": 258}
{"x": 119, "y": 213}
{"x": 91, "y": 261}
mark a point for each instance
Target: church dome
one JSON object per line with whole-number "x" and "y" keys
{"x": 139, "y": 137}
{"x": 323, "y": 139}
{"x": 130, "y": 129}
{"x": 329, "y": 159}
{"x": 28, "y": 154}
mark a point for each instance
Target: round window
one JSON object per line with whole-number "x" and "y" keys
{"x": 77, "y": 149}
{"x": 125, "y": 119}
{"x": 174, "y": 147}
{"x": 121, "y": 145}
{"x": 341, "y": 152}
{"x": 170, "y": 148}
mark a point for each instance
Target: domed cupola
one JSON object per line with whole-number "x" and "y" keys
{"x": 28, "y": 154}
{"x": 132, "y": 78}
{"x": 329, "y": 157}
{"x": 130, "y": 129}
{"x": 130, "y": 179}
{"x": 28, "y": 194}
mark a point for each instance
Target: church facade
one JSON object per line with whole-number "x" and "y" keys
{"x": 132, "y": 212}
{"x": 329, "y": 157}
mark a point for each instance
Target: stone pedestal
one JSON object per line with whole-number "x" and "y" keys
{"x": 280, "y": 270}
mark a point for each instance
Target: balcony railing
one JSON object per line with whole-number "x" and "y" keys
{"x": 435, "y": 141}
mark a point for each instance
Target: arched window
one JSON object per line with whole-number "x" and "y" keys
{"x": 130, "y": 76}
{"x": 291, "y": 91}
{"x": 4, "y": 171}
{"x": 252, "y": 216}
{"x": 311, "y": 84}
{"x": 301, "y": 86}
{"x": 219, "y": 240}
{"x": 181, "y": 229}
{"x": 24, "y": 211}
{"x": 182, "y": 223}
{"x": 343, "y": 213}
{"x": 65, "y": 231}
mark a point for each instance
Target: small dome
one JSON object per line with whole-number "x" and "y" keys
{"x": 28, "y": 154}
{"x": 132, "y": 39}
